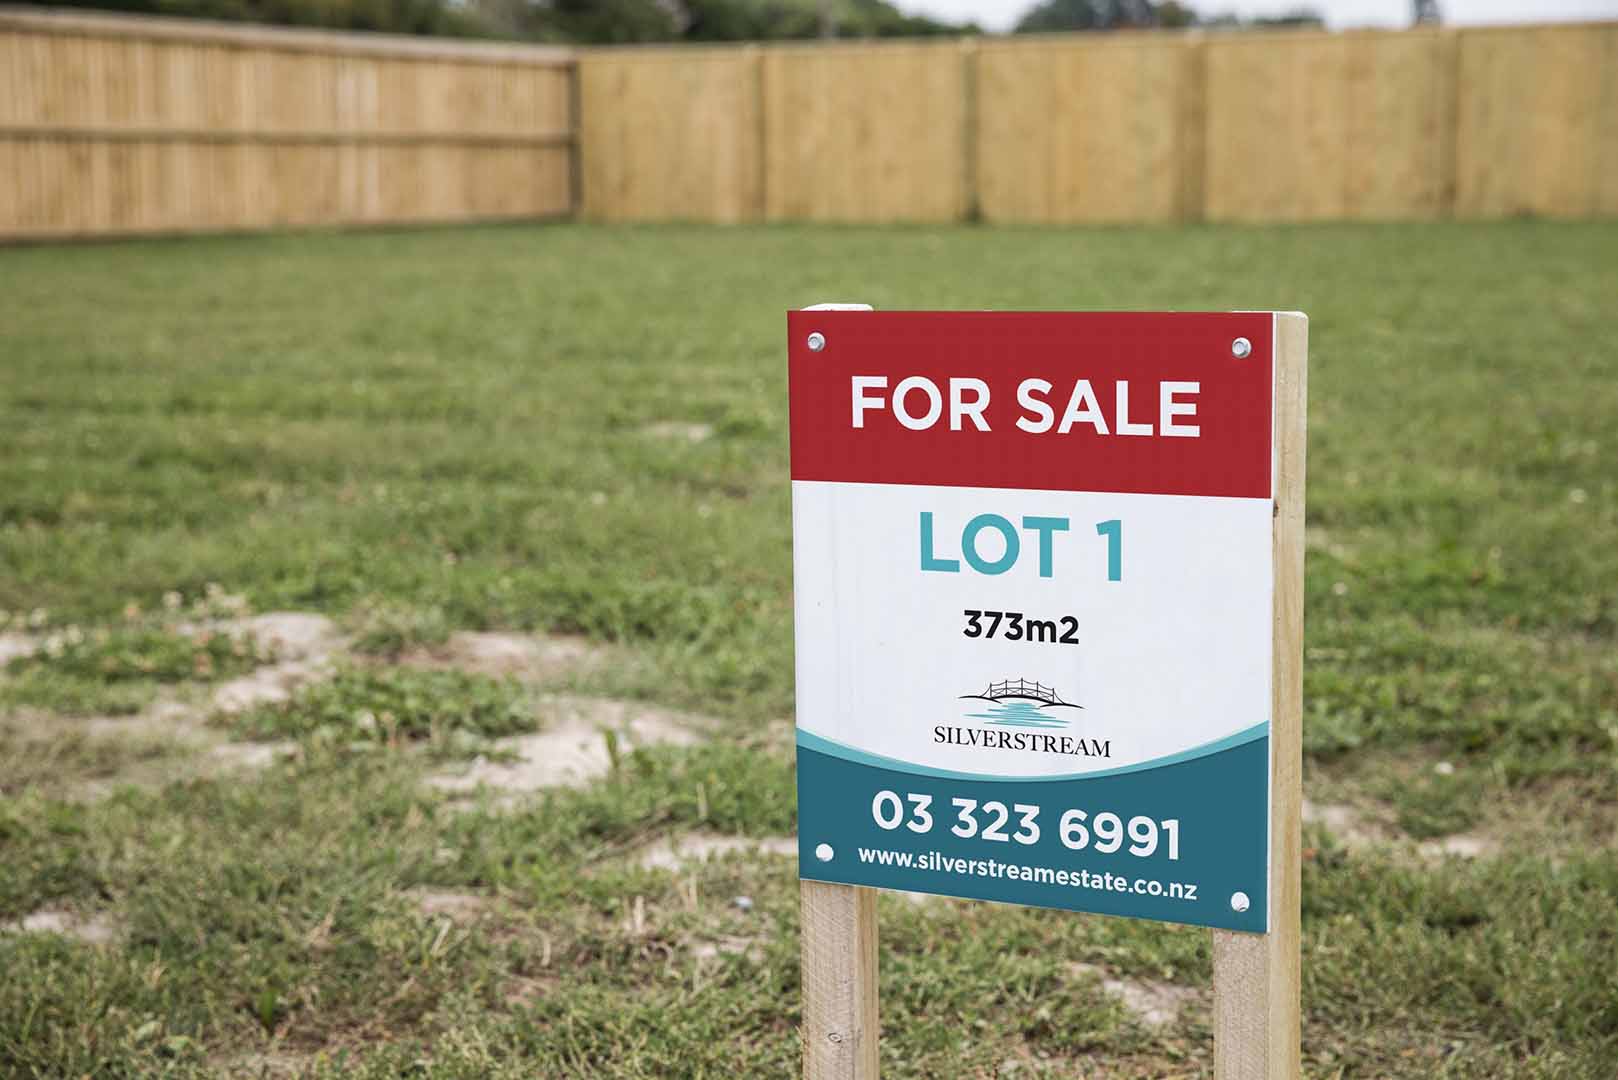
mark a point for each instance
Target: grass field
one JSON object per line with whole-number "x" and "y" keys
{"x": 576, "y": 437}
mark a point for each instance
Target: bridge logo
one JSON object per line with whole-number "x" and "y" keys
{"x": 1021, "y": 703}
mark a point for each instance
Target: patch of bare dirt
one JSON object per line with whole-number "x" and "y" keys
{"x": 576, "y": 746}
{"x": 1352, "y": 827}
{"x": 250, "y": 756}
{"x": 15, "y": 646}
{"x": 84, "y": 759}
{"x": 676, "y": 852}
{"x": 678, "y": 430}
{"x": 172, "y": 739}
{"x": 98, "y": 929}
{"x": 458, "y": 907}
{"x": 1359, "y": 830}
{"x": 522, "y": 991}
{"x": 1155, "y": 1004}
{"x": 264, "y": 1065}
{"x": 1459, "y": 846}
{"x": 158, "y": 763}
{"x": 305, "y": 647}
{"x": 1182, "y": 1064}
{"x": 728, "y": 945}
{"x": 168, "y": 741}
{"x": 292, "y": 634}
{"x": 523, "y": 656}
{"x": 171, "y": 720}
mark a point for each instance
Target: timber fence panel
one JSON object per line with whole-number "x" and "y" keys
{"x": 120, "y": 124}
{"x": 1537, "y": 124}
{"x": 1398, "y": 160}
{"x": 1317, "y": 126}
{"x": 872, "y": 132}
{"x": 1099, "y": 128}
{"x": 671, "y": 134}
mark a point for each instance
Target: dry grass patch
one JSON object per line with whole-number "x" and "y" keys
{"x": 583, "y": 739}
{"x": 91, "y": 928}
{"x": 681, "y": 850}
{"x": 531, "y": 658}
{"x": 306, "y": 647}
{"x": 678, "y": 431}
{"x": 1154, "y": 1003}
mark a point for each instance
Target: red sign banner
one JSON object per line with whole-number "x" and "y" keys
{"x": 1153, "y": 403}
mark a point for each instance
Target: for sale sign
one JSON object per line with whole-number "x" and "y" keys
{"x": 1033, "y": 571}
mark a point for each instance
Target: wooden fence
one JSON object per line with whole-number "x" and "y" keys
{"x": 1150, "y": 127}
{"x": 118, "y": 124}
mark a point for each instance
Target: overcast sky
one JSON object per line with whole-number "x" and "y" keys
{"x": 1001, "y": 14}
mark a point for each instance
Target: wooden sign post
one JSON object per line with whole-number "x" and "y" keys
{"x": 1049, "y": 613}
{"x": 1257, "y": 977}
{"x": 839, "y": 981}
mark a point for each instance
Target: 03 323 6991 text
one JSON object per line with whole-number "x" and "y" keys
{"x": 1105, "y": 832}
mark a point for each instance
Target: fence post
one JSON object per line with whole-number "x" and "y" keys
{"x": 760, "y": 210}
{"x": 969, "y": 210}
{"x": 1449, "y": 121}
{"x": 1257, "y": 977}
{"x": 1192, "y": 148}
{"x": 575, "y": 129}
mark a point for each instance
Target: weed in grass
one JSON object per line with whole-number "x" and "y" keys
{"x": 451, "y": 712}
{"x": 75, "y": 697}
{"x": 118, "y": 670}
{"x": 386, "y": 629}
{"x": 156, "y": 654}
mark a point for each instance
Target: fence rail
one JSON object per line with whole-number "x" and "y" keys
{"x": 120, "y": 124}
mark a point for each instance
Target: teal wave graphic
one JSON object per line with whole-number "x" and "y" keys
{"x": 1020, "y": 714}
{"x": 832, "y": 747}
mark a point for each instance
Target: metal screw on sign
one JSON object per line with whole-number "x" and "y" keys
{"x": 1239, "y": 902}
{"x": 817, "y": 341}
{"x": 824, "y": 852}
{"x": 1241, "y": 348}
